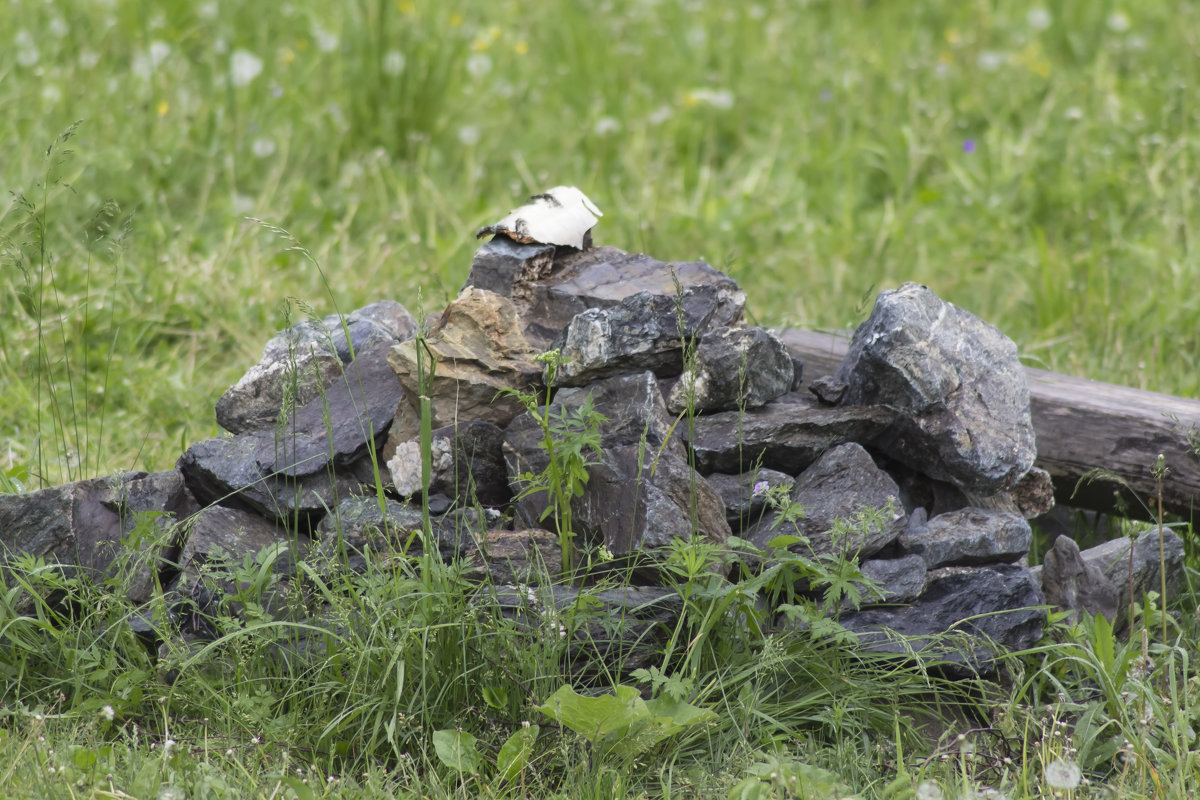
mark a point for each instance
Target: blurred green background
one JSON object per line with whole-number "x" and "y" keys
{"x": 1034, "y": 163}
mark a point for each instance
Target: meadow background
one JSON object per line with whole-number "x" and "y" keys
{"x": 1033, "y": 162}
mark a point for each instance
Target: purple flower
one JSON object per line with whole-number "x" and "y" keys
{"x": 968, "y": 145}
{"x": 761, "y": 488}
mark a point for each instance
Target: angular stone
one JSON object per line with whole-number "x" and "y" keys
{"x": 298, "y": 363}
{"x": 480, "y": 352}
{"x": 1112, "y": 558}
{"x": 550, "y": 290}
{"x": 337, "y": 428}
{"x": 957, "y": 383}
{"x": 525, "y": 556}
{"x": 900, "y": 580}
{"x": 843, "y": 486}
{"x": 639, "y": 493}
{"x": 1076, "y": 585}
{"x": 787, "y": 435}
{"x": 82, "y": 525}
{"x": 969, "y": 536}
{"x": 224, "y": 470}
{"x": 743, "y": 505}
{"x": 468, "y": 466}
{"x": 734, "y": 368}
{"x": 983, "y": 606}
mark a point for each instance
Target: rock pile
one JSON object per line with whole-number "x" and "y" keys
{"x": 699, "y": 418}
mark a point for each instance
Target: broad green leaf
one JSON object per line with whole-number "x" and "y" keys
{"x": 514, "y": 753}
{"x": 456, "y": 750}
{"x": 495, "y": 697}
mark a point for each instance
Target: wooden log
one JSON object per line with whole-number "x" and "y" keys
{"x": 1082, "y": 425}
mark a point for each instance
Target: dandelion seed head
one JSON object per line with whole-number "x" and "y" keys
{"x": 263, "y": 147}
{"x": 469, "y": 135}
{"x": 1061, "y": 774}
{"x": 244, "y": 67}
{"x": 1118, "y": 22}
{"x": 606, "y": 125}
{"x": 929, "y": 790}
{"x": 393, "y": 63}
{"x": 1039, "y": 18}
{"x": 478, "y": 65}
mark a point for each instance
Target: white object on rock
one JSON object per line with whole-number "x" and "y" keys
{"x": 560, "y": 216}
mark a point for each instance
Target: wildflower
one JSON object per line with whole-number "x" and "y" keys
{"x": 207, "y": 10}
{"x": 393, "y": 63}
{"x": 1062, "y": 774}
{"x": 469, "y": 135}
{"x": 51, "y": 93}
{"x": 327, "y": 40}
{"x": 168, "y": 746}
{"x": 928, "y": 790}
{"x": 606, "y": 125}
{"x": 968, "y": 145}
{"x": 163, "y": 108}
{"x": 1073, "y": 113}
{"x": 761, "y": 488}
{"x": 990, "y": 60}
{"x": 1118, "y": 22}
{"x": 659, "y": 115}
{"x": 263, "y": 147}
{"x": 1038, "y": 18}
{"x": 521, "y": 48}
{"x": 478, "y": 65}
{"x": 108, "y": 713}
{"x": 717, "y": 98}
{"x": 58, "y": 27}
{"x": 244, "y": 67}
{"x": 88, "y": 59}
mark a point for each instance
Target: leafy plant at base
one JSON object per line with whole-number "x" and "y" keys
{"x": 571, "y": 441}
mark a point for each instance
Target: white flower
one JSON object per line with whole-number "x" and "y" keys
{"x": 1073, "y": 113}
{"x": 990, "y": 60}
{"x": 244, "y": 67}
{"x": 393, "y": 62}
{"x": 108, "y": 713}
{"x": 88, "y": 59}
{"x": 58, "y": 27}
{"x": 659, "y": 115}
{"x": 327, "y": 40}
{"x": 1062, "y": 774}
{"x": 208, "y": 10}
{"x": 478, "y": 65}
{"x": 1118, "y": 22}
{"x": 717, "y": 98}
{"x": 168, "y": 746}
{"x": 263, "y": 147}
{"x": 469, "y": 135}
{"x": 928, "y": 790}
{"x": 1038, "y": 18}
{"x": 606, "y": 125}
{"x": 27, "y": 52}
{"x": 51, "y": 93}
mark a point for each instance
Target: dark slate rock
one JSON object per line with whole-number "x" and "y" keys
{"x": 224, "y": 470}
{"x": 528, "y": 556}
{"x": 549, "y": 290}
{"x": 787, "y": 435}
{"x": 743, "y": 505}
{"x": 467, "y": 463}
{"x": 964, "y": 600}
{"x": 900, "y": 580}
{"x": 957, "y": 382}
{"x": 734, "y": 368}
{"x": 298, "y": 363}
{"x": 645, "y": 331}
{"x": 338, "y": 428}
{"x": 829, "y": 390}
{"x": 621, "y": 628}
{"x": 639, "y": 495}
{"x": 82, "y": 526}
{"x": 969, "y": 536}
{"x": 1076, "y": 585}
{"x": 842, "y": 486}
{"x": 1113, "y": 559}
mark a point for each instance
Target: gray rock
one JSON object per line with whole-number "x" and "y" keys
{"x": 957, "y": 382}
{"x": 743, "y": 505}
{"x": 900, "y": 580}
{"x": 1112, "y": 558}
{"x": 734, "y": 368}
{"x": 337, "y": 428}
{"x": 958, "y": 623}
{"x": 466, "y": 462}
{"x": 298, "y": 363}
{"x": 642, "y": 332}
{"x": 508, "y": 557}
{"x": 224, "y": 470}
{"x": 787, "y": 435}
{"x": 969, "y": 536}
{"x": 83, "y": 527}
{"x": 851, "y": 507}
{"x": 1075, "y": 585}
{"x": 641, "y": 493}
{"x": 550, "y": 289}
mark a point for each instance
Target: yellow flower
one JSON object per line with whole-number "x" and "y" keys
{"x": 455, "y": 19}
{"x": 1034, "y": 59}
{"x": 287, "y": 55}
{"x": 952, "y": 36}
{"x": 521, "y": 48}
{"x": 407, "y": 7}
{"x": 479, "y": 45}
{"x": 163, "y": 108}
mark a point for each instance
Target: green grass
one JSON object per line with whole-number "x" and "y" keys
{"x": 1040, "y": 175}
